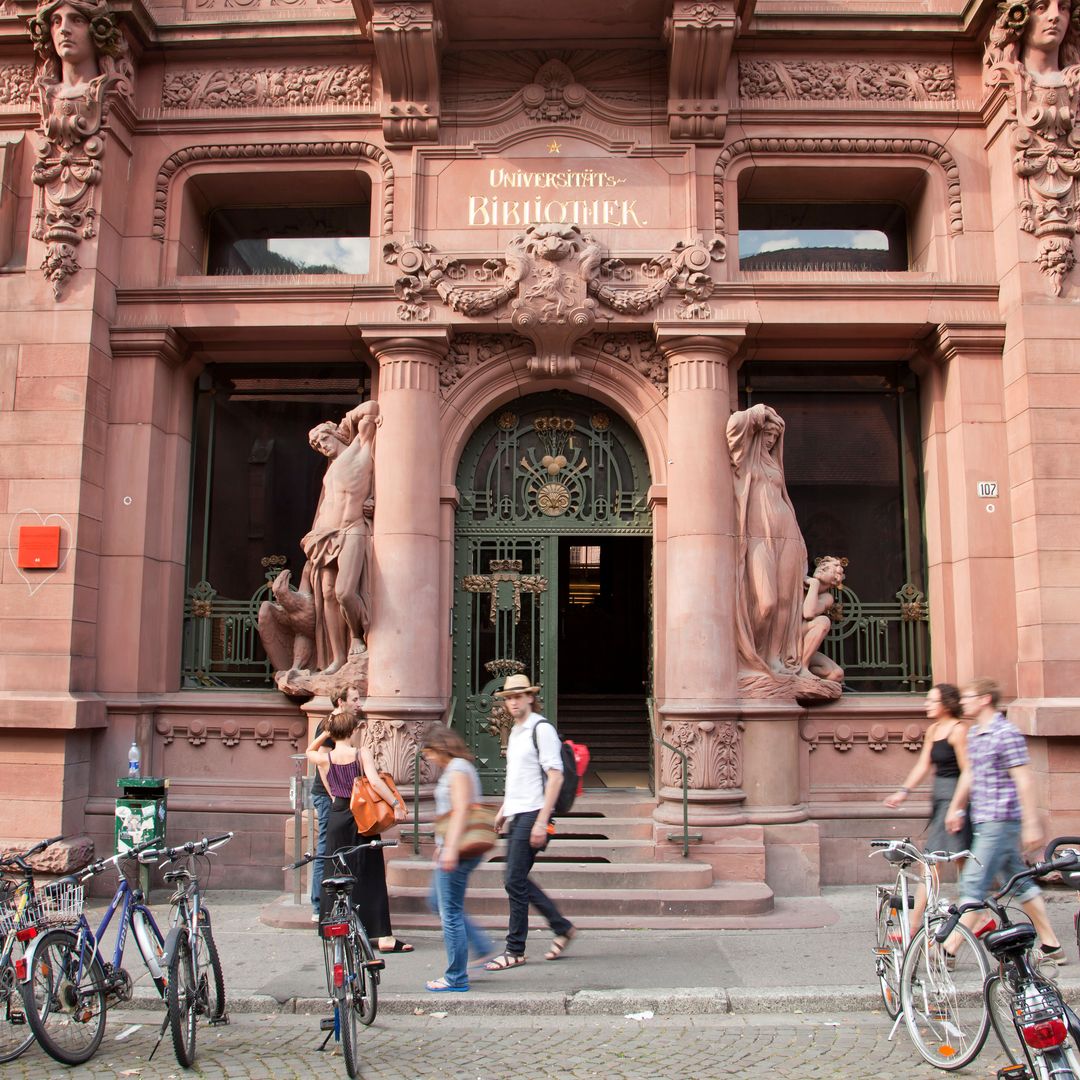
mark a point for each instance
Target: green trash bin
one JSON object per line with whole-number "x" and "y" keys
{"x": 140, "y": 816}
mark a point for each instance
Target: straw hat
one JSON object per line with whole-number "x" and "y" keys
{"x": 517, "y": 684}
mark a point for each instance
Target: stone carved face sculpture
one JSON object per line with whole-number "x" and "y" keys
{"x": 324, "y": 439}
{"x": 1041, "y": 34}
{"x": 70, "y": 35}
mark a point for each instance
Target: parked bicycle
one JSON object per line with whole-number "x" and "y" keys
{"x": 352, "y": 969}
{"x": 20, "y": 917}
{"x": 195, "y": 985}
{"x": 894, "y": 902}
{"x": 67, "y": 983}
{"x": 1037, "y": 1030}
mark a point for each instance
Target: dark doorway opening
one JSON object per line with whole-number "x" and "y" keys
{"x": 603, "y": 657}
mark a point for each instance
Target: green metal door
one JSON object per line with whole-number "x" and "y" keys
{"x": 551, "y": 465}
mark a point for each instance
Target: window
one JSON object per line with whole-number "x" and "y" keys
{"x": 584, "y": 584}
{"x": 289, "y": 240}
{"x": 822, "y": 236}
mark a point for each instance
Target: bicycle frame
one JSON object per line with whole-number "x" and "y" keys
{"x": 128, "y": 901}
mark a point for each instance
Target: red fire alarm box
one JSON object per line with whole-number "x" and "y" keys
{"x": 39, "y": 547}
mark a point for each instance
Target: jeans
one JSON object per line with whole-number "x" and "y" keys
{"x": 997, "y": 847}
{"x": 522, "y": 890}
{"x": 322, "y": 809}
{"x": 460, "y": 934}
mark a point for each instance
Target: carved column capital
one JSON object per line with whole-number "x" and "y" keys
{"x": 409, "y": 363}
{"x": 947, "y": 341}
{"x": 699, "y": 361}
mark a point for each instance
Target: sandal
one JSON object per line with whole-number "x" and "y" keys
{"x": 505, "y": 960}
{"x": 398, "y": 946}
{"x": 441, "y": 986}
{"x": 560, "y": 944}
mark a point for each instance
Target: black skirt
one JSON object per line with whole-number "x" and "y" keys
{"x": 368, "y": 866}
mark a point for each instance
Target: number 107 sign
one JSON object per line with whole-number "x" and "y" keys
{"x": 988, "y": 489}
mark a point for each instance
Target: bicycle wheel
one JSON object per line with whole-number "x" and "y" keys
{"x": 366, "y": 987}
{"x": 345, "y": 1007}
{"x": 889, "y": 953}
{"x": 210, "y": 966}
{"x": 944, "y": 1008}
{"x": 182, "y": 1001}
{"x": 15, "y": 1032}
{"x": 999, "y": 1000}
{"x": 65, "y": 998}
{"x": 151, "y": 946}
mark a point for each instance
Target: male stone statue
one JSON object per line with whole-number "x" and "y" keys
{"x": 333, "y": 603}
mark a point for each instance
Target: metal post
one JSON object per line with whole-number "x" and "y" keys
{"x": 296, "y": 794}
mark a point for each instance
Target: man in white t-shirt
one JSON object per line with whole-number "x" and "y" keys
{"x": 534, "y": 775}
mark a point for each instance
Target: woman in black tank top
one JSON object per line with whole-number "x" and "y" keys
{"x": 944, "y": 751}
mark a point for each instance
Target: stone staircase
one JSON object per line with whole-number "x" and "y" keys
{"x": 610, "y": 865}
{"x": 614, "y": 727}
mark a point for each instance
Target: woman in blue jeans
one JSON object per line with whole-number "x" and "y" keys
{"x": 457, "y": 789}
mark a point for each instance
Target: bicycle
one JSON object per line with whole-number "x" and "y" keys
{"x": 352, "y": 969}
{"x": 66, "y": 985}
{"x": 1023, "y": 1005}
{"x": 195, "y": 985}
{"x": 20, "y": 914}
{"x": 893, "y": 903}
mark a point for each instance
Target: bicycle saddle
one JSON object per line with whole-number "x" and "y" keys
{"x": 1009, "y": 938}
{"x": 341, "y": 882}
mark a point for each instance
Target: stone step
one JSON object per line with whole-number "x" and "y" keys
{"x": 613, "y": 878}
{"x": 638, "y": 906}
{"x": 594, "y": 801}
{"x": 611, "y": 828}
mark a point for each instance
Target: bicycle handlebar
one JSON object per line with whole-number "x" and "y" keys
{"x": 191, "y": 847}
{"x": 103, "y": 864}
{"x": 309, "y": 857}
{"x": 1064, "y": 862}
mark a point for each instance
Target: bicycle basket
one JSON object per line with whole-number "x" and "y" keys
{"x": 9, "y": 920}
{"x": 58, "y": 904}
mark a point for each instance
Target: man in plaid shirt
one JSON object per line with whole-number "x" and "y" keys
{"x": 999, "y": 785}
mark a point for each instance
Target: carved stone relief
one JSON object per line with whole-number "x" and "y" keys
{"x": 230, "y": 731}
{"x": 84, "y": 65}
{"x": 270, "y": 87}
{"x": 713, "y": 752}
{"x": 918, "y": 147}
{"x": 857, "y": 80}
{"x": 394, "y": 744}
{"x": 16, "y": 84}
{"x": 638, "y": 351}
{"x": 1033, "y": 54}
{"x": 299, "y": 151}
{"x": 254, "y": 5}
{"x": 407, "y": 40}
{"x": 554, "y": 278}
{"x": 468, "y": 351}
{"x": 878, "y": 737}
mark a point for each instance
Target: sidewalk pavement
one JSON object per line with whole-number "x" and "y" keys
{"x": 824, "y": 969}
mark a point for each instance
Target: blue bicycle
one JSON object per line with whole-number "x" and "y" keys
{"x": 67, "y": 983}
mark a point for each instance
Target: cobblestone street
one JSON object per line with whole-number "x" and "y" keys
{"x": 844, "y": 1047}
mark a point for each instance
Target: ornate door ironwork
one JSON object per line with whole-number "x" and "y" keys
{"x": 548, "y": 466}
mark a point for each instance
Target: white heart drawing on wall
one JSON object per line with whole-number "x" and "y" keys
{"x": 35, "y": 583}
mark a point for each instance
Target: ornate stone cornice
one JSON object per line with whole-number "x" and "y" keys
{"x": 247, "y": 152}
{"x": 160, "y": 341}
{"x": 947, "y": 341}
{"x": 554, "y": 278}
{"x": 841, "y": 145}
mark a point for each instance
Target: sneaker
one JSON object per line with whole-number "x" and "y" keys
{"x": 1057, "y": 954}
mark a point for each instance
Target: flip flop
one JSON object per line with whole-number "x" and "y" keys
{"x": 399, "y": 946}
{"x": 560, "y": 944}
{"x": 441, "y": 986}
{"x": 504, "y": 961}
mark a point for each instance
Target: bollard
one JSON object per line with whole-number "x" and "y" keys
{"x": 297, "y": 792}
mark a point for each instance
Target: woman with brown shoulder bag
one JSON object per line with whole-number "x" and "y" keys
{"x": 342, "y": 765}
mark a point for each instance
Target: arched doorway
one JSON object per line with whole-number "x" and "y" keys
{"x": 553, "y": 578}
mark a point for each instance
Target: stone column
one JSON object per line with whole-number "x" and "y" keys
{"x": 404, "y": 685}
{"x": 698, "y": 711}
{"x": 969, "y": 537}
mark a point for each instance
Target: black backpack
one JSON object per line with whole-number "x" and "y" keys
{"x": 568, "y": 791}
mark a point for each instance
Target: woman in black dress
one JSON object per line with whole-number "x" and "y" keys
{"x": 342, "y": 766}
{"x": 945, "y": 750}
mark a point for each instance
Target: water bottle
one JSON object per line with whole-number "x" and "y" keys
{"x": 133, "y": 759}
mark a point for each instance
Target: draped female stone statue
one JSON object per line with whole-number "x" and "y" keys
{"x": 772, "y": 563}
